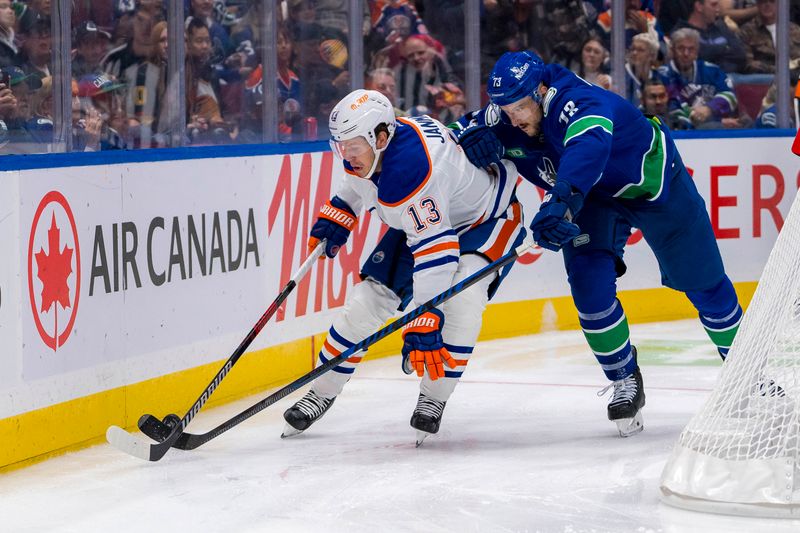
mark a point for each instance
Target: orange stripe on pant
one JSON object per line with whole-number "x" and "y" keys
{"x": 506, "y": 233}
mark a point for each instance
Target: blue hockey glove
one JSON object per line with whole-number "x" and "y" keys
{"x": 552, "y": 226}
{"x": 423, "y": 346}
{"x": 334, "y": 224}
{"x": 481, "y": 145}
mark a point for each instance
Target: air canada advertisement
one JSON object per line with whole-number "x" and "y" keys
{"x": 127, "y": 272}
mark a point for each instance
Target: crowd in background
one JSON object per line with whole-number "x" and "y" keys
{"x": 695, "y": 63}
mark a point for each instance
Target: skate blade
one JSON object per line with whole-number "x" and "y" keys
{"x": 289, "y": 431}
{"x": 628, "y": 427}
{"x": 421, "y": 436}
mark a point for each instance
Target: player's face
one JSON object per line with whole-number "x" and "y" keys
{"x": 357, "y": 152}
{"x": 525, "y": 114}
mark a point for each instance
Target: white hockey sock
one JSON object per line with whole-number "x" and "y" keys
{"x": 463, "y": 316}
{"x": 369, "y": 307}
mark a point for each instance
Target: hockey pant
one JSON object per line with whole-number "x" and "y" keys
{"x": 372, "y": 304}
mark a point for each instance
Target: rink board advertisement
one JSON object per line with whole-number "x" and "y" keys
{"x": 127, "y": 273}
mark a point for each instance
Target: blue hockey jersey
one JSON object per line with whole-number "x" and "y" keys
{"x": 708, "y": 86}
{"x": 592, "y": 138}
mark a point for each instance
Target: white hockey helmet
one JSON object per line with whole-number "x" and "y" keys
{"x": 358, "y": 115}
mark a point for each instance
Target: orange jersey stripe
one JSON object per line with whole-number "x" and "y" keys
{"x": 507, "y": 231}
{"x": 437, "y": 248}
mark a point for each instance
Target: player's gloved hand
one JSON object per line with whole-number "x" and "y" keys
{"x": 334, "y": 224}
{"x": 423, "y": 346}
{"x": 552, "y": 226}
{"x": 481, "y": 145}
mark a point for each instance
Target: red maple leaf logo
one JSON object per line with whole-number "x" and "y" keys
{"x": 54, "y": 269}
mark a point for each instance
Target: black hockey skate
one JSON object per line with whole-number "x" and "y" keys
{"x": 427, "y": 417}
{"x": 627, "y": 401}
{"x": 305, "y": 412}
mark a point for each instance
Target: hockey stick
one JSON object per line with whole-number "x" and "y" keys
{"x": 189, "y": 441}
{"x": 132, "y": 445}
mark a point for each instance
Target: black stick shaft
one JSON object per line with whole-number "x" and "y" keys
{"x": 188, "y": 441}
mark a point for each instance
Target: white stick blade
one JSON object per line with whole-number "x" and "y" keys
{"x": 122, "y": 440}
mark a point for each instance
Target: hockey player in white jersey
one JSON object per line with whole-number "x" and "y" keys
{"x": 447, "y": 218}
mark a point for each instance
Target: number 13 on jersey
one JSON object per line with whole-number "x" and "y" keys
{"x": 430, "y": 214}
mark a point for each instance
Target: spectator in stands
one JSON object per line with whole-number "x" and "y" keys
{"x": 593, "y": 65}
{"x": 135, "y": 50}
{"x": 655, "y": 100}
{"x": 40, "y": 123}
{"x": 36, "y": 49}
{"x": 101, "y": 13}
{"x": 718, "y": 44}
{"x": 23, "y": 132}
{"x": 500, "y": 33}
{"x": 8, "y": 43}
{"x": 123, "y": 32}
{"x": 308, "y": 37}
{"x": 641, "y": 66}
{"x": 145, "y": 103}
{"x": 670, "y": 12}
{"x": 102, "y": 124}
{"x": 559, "y": 30}
{"x": 397, "y": 21}
{"x": 204, "y": 123}
{"x": 8, "y": 104}
{"x": 220, "y": 41}
{"x": 759, "y": 37}
{"x": 31, "y": 12}
{"x": 382, "y": 80}
{"x": 637, "y": 21}
{"x": 739, "y": 11}
{"x": 334, "y": 14}
{"x": 701, "y": 94}
{"x": 422, "y": 69}
{"x": 768, "y": 116}
{"x": 91, "y": 46}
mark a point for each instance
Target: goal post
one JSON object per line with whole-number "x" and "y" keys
{"x": 741, "y": 453}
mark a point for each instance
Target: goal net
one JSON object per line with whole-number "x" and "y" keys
{"x": 740, "y": 454}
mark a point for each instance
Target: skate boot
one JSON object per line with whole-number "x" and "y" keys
{"x": 305, "y": 412}
{"x": 626, "y": 402}
{"x": 426, "y": 417}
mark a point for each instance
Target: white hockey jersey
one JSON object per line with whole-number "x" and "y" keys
{"x": 427, "y": 188}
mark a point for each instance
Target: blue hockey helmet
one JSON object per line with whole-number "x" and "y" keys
{"x": 515, "y": 76}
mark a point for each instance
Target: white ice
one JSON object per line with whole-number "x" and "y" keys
{"x": 524, "y": 446}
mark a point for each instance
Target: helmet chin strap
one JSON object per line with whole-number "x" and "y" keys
{"x": 377, "y": 152}
{"x": 374, "y": 164}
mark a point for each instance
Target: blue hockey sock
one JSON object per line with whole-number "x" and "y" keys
{"x": 722, "y": 330}
{"x": 608, "y": 336}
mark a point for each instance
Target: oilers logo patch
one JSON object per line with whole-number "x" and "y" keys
{"x": 378, "y": 257}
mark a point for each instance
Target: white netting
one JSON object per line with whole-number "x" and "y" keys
{"x": 740, "y": 453}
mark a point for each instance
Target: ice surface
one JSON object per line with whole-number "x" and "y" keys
{"x": 524, "y": 446}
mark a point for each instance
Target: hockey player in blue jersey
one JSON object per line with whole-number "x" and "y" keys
{"x": 447, "y": 219}
{"x": 607, "y": 168}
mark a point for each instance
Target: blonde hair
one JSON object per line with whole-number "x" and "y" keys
{"x": 40, "y": 96}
